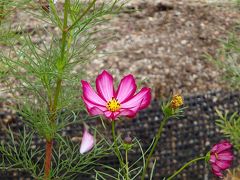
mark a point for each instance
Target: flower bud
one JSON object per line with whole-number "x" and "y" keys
{"x": 128, "y": 140}
{"x": 88, "y": 141}
{"x": 176, "y": 101}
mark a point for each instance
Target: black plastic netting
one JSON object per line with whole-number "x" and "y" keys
{"x": 183, "y": 139}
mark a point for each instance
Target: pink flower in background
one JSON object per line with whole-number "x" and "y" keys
{"x": 221, "y": 157}
{"x": 88, "y": 141}
{"x": 112, "y": 104}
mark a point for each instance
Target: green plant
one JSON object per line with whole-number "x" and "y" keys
{"x": 49, "y": 87}
{"x": 228, "y": 60}
{"x": 230, "y": 125}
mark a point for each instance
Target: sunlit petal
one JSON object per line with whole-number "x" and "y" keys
{"x": 87, "y": 143}
{"x": 104, "y": 85}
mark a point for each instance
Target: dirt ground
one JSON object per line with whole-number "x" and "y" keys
{"x": 163, "y": 43}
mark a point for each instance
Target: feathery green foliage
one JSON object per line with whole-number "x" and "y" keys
{"x": 20, "y": 153}
{"x": 228, "y": 60}
{"x": 134, "y": 168}
{"x": 230, "y": 126}
{"x": 49, "y": 86}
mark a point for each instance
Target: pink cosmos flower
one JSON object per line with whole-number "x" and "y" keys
{"x": 221, "y": 157}
{"x": 88, "y": 141}
{"x": 112, "y": 104}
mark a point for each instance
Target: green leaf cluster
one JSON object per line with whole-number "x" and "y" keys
{"x": 134, "y": 168}
{"x": 45, "y": 73}
{"x": 46, "y": 78}
{"x": 230, "y": 126}
{"x": 23, "y": 154}
{"x": 228, "y": 60}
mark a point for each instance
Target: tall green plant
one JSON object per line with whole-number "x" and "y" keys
{"x": 230, "y": 126}
{"x": 228, "y": 62}
{"x": 49, "y": 86}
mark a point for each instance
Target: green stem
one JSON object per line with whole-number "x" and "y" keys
{"x": 63, "y": 47}
{"x": 156, "y": 139}
{"x": 126, "y": 164}
{"x": 54, "y": 102}
{"x": 83, "y": 14}
{"x": 1, "y": 11}
{"x": 65, "y": 28}
{"x": 184, "y": 166}
{"x": 116, "y": 150}
{"x": 59, "y": 79}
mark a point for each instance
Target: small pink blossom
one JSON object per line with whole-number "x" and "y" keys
{"x": 113, "y": 104}
{"x": 88, "y": 141}
{"x": 221, "y": 157}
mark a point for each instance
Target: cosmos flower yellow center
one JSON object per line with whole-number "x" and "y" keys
{"x": 113, "y": 105}
{"x": 177, "y": 101}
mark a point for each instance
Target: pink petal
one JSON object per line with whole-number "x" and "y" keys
{"x": 223, "y": 164}
{"x": 90, "y": 105}
{"x": 108, "y": 114}
{"x": 131, "y": 113}
{"x": 104, "y": 85}
{"x": 213, "y": 158}
{"x": 95, "y": 111}
{"x": 115, "y": 115}
{"x": 223, "y": 146}
{"x": 123, "y": 112}
{"x": 228, "y": 156}
{"x": 220, "y": 147}
{"x": 214, "y": 148}
{"x": 216, "y": 170}
{"x": 87, "y": 142}
{"x": 126, "y": 88}
{"x": 141, "y": 99}
{"x": 217, "y": 173}
{"x": 128, "y": 113}
{"x": 90, "y": 95}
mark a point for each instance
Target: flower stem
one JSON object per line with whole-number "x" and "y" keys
{"x": 47, "y": 169}
{"x": 156, "y": 139}
{"x": 184, "y": 166}
{"x": 116, "y": 150}
{"x": 54, "y": 101}
{"x": 126, "y": 164}
{"x": 2, "y": 5}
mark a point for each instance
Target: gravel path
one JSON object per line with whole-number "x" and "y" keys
{"x": 163, "y": 45}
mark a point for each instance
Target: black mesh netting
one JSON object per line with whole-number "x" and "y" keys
{"x": 190, "y": 136}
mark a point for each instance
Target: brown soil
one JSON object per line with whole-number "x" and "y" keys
{"x": 163, "y": 43}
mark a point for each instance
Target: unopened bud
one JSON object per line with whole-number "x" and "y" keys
{"x": 177, "y": 101}
{"x": 128, "y": 140}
